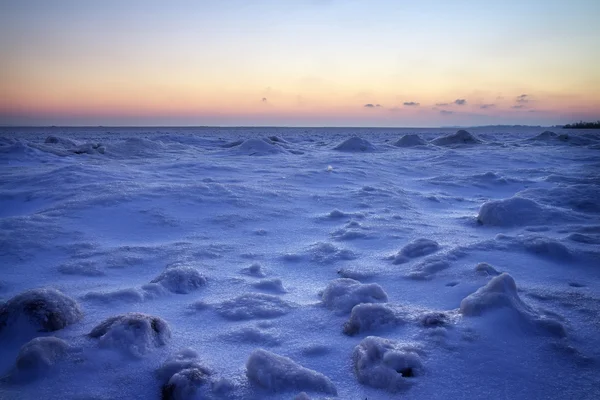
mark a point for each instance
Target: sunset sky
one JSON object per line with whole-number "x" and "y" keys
{"x": 299, "y": 62}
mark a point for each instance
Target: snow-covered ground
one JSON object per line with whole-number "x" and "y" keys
{"x": 248, "y": 263}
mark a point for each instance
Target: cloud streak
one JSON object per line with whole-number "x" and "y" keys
{"x": 411, "y": 104}
{"x": 460, "y": 102}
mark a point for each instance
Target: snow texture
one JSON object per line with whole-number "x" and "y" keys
{"x": 367, "y": 317}
{"x": 278, "y": 373}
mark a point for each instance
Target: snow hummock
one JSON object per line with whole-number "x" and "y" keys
{"x": 180, "y": 279}
{"x": 254, "y": 306}
{"x": 387, "y": 364}
{"x": 514, "y": 211}
{"x": 43, "y": 310}
{"x": 410, "y": 140}
{"x": 257, "y": 147}
{"x": 38, "y": 357}
{"x": 134, "y": 333}
{"x": 355, "y": 145}
{"x": 486, "y": 269}
{"x": 344, "y": 293}
{"x": 370, "y": 316}
{"x": 458, "y": 138}
{"x": 501, "y": 293}
{"x": 417, "y": 248}
{"x": 278, "y": 373}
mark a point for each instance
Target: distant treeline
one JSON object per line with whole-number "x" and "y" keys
{"x": 583, "y": 125}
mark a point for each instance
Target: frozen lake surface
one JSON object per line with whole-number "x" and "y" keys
{"x": 250, "y": 263}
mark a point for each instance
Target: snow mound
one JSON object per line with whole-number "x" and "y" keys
{"x": 254, "y": 270}
{"x": 343, "y": 294}
{"x": 38, "y": 356}
{"x": 326, "y": 253}
{"x": 258, "y": 147}
{"x": 62, "y": 146}
{"x": 183, "y": 375}
{"x": 370, "y": 316}
{"x": 416, "y": 248}
{"x": 61, "y": 141}
{"x": 501, "y": 292}
{"x": 458, "y": 138}
{"x": 355, "y": 145}
{"x": 514, "y": 211}
{"x": 410, "y": 140}
{"x": 254, "y": 306}
{"x": 546, "y": 135}
{"x": 278, "y": 373}
{"x": 271, "y": 285}
{"x": 486, "y": 270}
{"x": 251, "y": 334}
{"x": 386, "y": 364}
{"x": 181, "y": 280}
{"x": 44, "y": 310}
{"x": 135, "y": 333}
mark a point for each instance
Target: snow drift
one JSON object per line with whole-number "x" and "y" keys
{"x": 355, "y": 145}
{"x": 459, "y": 138}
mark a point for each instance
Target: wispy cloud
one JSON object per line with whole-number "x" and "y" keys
{"x": 371, "y": 105}
{"x": 524, "y": 98}
{"x": 460, "y": 102}
{"x": 486, "y": 106}
{"x": 264, "y": 100}
{"x": 446, "y": 112}
{"x": 442, "y": 104}
{"x": 518, "y": 107}
{"x": 411, "y": 104}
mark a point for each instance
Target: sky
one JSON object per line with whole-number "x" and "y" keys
{"x": 299, "y": 62}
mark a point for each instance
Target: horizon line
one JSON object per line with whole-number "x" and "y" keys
{"x": 285, "y": 126}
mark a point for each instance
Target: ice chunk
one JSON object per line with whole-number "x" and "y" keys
{"x": 39, "y": 356}
{"x": 181, "y": 279}
{"x": 355, "y": 145}
{"x": 135, "y": 333}
{"x": 44, "y": 310}
{"x": 458, "y": 138}
{"x": 370, "y": 316}
{"x": 342, "y": 294}
{"x": 416, "y": 248}
{"x": 254, "y": 305}
{"x": 410, "y": 140}
{"x": 386, "y": 364}
{"x": 278, "y": 373}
